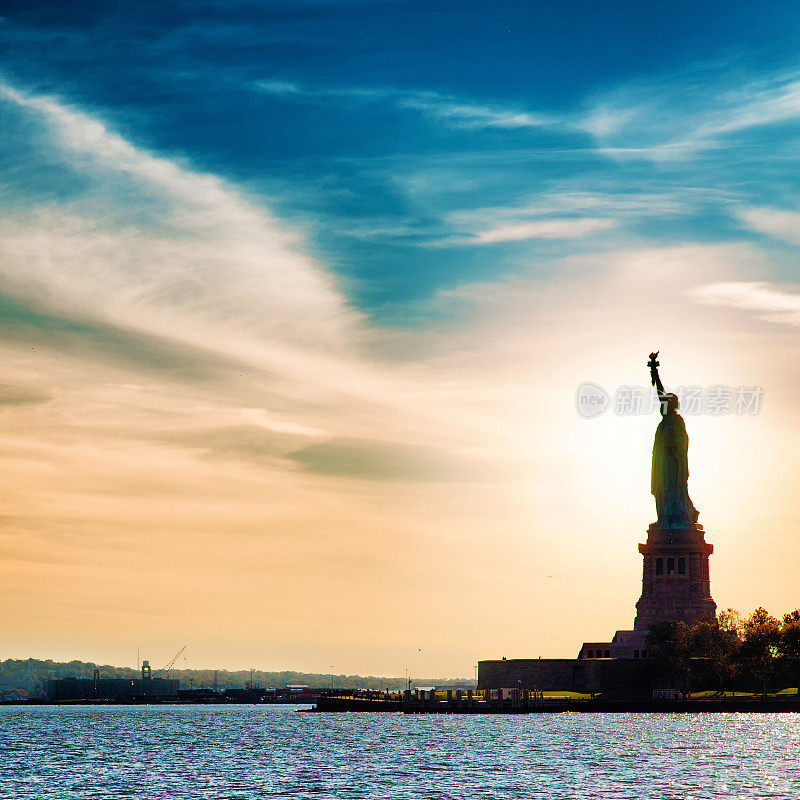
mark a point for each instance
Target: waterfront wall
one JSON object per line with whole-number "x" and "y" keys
{"x": 622, "y": 678}
{"x": 543, "y": 674}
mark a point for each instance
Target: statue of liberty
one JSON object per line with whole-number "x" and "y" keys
{"x": 670, "y": 473}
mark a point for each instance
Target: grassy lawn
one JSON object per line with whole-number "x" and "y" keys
{"x": 714, "y": 696}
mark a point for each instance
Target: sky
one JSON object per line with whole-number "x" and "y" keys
{"x": 296, "y": 297}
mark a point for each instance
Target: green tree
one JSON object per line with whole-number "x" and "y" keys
{"x": 669, "y": 646}
{"x": 731, "y": 621}
{"x": 760, "y": 646}
{"x": 717, "y": 641}
{"x": 789, "y": 645}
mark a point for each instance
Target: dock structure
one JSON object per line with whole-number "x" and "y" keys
{"x": 431, "y": 701}
{"x": 486, "y": 701}
{"x": 523, "y": 701}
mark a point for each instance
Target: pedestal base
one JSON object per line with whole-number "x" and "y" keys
{"x": 675, "y": 581}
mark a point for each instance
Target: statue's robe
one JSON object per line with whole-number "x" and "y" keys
{"x": 670, "y": 473}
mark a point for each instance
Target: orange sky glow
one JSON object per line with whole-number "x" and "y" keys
{"x": 203, "y": 441}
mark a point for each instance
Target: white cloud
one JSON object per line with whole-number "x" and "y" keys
{"x": 572, "y": 214}
{"x": 223, "y": 274}
{"x": 218, "y": 271}
{"x": 678, "y": 117}
{"x": 279, "y": 87}
{"x": 665, "y": 120}
{"x": 472, "y": 115}
{"x": 606, "y": 120}
{"x": 444, "y": 108}
{"x": 780, "y": 224}
{"x": 657, "y": 200}
{"x": 544, "y": 229}
{"x": 766, "y": 102}
{"x": 781, "y": 305}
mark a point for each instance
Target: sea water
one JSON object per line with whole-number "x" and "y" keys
{"x": 253, "y": 751}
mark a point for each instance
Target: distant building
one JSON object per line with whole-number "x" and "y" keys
{"x": 97, "y": 688}
{"x": 624, "y": 644}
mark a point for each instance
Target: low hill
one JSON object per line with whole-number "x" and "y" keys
{"x": 29, "y": 675}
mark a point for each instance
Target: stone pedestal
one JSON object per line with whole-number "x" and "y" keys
{"x": 675, "y": 584}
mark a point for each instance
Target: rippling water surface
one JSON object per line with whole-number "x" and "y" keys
{"x": 242, "y": 752}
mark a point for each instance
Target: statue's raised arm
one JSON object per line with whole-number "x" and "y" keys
{"x": 654, "y": 364}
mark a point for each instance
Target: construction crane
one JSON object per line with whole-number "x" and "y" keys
{"x": 172, "y": 661}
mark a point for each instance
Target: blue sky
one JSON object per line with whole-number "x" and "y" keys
{"x": 314, "y": 283}
{"x": 395, "y": 133}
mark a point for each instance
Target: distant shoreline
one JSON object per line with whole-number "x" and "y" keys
{"x": 356, "y": 705}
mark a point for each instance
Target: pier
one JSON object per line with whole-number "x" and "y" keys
{"x": 522, "y": 701}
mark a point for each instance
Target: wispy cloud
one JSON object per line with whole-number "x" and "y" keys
{"x": 448, "y": 109}
{"x": 773, "y": 303}
{"x": 555, "y": 215}
{"x": 617, "y": 202}
{"x": 769, "y": 101}
{"x": 472, "y": 115}
{"x": 662, "y": 120}
{"x": 212, "y": 273}
{"x": 678, "y": 117}
{"x": 573, "y": 213}
{"x": 544, "y": 229}
{"x": 779, "y": 224}
{"x": 280, "y": 88}
{"x": 216, "y": 263}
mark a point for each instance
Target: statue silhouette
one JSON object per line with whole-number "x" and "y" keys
{"x": 670, "y": 471}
